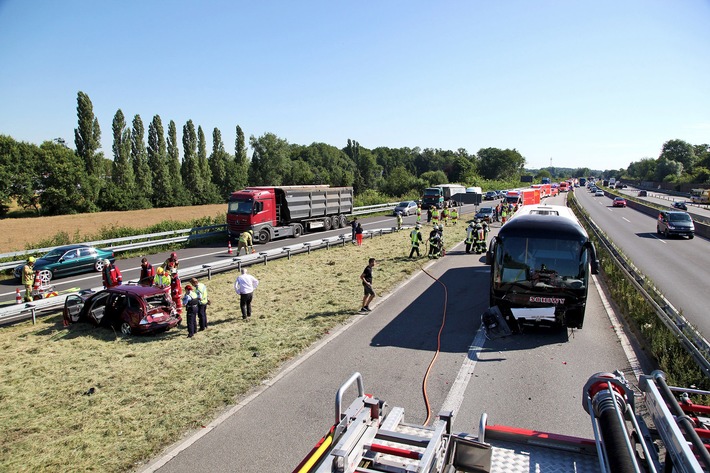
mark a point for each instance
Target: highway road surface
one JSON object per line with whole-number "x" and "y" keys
{"x": 532, "y": 380}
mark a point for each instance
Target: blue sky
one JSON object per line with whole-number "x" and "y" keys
{"x": 573, "y": 83}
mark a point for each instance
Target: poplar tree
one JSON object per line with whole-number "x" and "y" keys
{"x": 190, "y": 169}
{"x": 220, "y": 166}
{"x": 241, "y": 178}
{"x": 179, "y": 195}
{"x": 141, "y": 169}
{"x": 206, "y": 188}
{"x": 119, "y": 192}
{"x": 87, "y": 137}
{"x": 158, "y": 162}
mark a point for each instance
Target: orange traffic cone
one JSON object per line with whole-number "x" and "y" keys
{"x": 36, "y": 284}
{"x": 253, "y": 251}
{"x": 229, "y": 247}
{"x": 18, "y": 297}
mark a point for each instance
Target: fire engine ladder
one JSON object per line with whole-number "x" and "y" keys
{"x": 367, "y": 441}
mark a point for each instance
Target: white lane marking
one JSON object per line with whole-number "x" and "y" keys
{"x": 455, "y": 397}
{"x": 656, "y": 237}
{"x": 624, "y": 218}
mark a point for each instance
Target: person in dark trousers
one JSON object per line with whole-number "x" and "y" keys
{"x": 202, "y": 302}
{"x": 189, "y": 301}
{"x": 111, "y": 275}
{"x": 147, "y": 273}
{"x": 416, "y": 238}
{"x": 354, "y": 225}
{"x": 366, "y": 278}
{"x": 245, "y": 285}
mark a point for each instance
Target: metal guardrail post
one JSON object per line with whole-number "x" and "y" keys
{"x": 266, "y": 257}
{"x": 327, "y": 243}
{"x": 34, "y": 313}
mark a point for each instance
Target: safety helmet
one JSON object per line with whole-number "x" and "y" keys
{"x": 107, "y": 262}
{"x": 251, "y": 231}
{"x": 418, "y": 227}
{"x": 31, "y": 259}
{"x": 160, "y": 270}
{"x": 436, "y": 227}
{"x": 173, "y": 255}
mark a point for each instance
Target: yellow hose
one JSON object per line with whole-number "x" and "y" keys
{"x": 317, "y": 454}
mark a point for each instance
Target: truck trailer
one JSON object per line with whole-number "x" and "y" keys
{"x": 279, "y": 212}
{"x": 437, "y": 195}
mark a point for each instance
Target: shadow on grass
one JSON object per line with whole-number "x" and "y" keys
{"x": 332, "y": 313}
{"x": 56, "y": 331}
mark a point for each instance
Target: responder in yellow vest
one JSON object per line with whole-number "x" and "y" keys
{"x": 399, "y": 220}
{"x": 454, "y": 215}
{"x": 28, "y": 277}
{"x": 445, "y": 216}
{"x": 161, "y": 279}
{"x": 419, "y": 214}
{"x": 435, "y": 215}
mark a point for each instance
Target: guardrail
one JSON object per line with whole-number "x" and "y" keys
{"x": 694, "y": 343}
{"x": 16, "y": 312}
{"x": 155, "y": 239}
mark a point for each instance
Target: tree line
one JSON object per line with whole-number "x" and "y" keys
{"x": 156, "y": 171}
{"x": 679, "y": 162}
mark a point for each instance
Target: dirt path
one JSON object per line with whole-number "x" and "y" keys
{"x": 18, "y": 233}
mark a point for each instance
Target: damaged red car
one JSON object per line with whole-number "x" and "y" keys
{"x": 128, "y": 308}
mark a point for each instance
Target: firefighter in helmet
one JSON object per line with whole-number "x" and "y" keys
{"x": 170, "y": 266}
{"x": 28, "y": 277}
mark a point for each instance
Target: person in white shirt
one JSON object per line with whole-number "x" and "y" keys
{"x": 245, "y": 285}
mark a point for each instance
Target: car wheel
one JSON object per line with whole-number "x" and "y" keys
{"x": 45, "y": 276}
{"x": 125, "y": 328}
{"x": 99, "y": 265}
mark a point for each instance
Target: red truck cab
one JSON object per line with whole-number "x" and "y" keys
{"x": 250, "y": 209}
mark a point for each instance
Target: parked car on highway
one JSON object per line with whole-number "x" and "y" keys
{"x": 490, "y": 195}
{"x": 406, "y": 208}
{"x": 599, "y": 193}
{"x": 619, "y": 202}
{"x": 68, "y": 260}
{"x": 128, "y": 308}
{"x": 679, "y": 205}
{"x": 674, "y": 222}
{"x": 485, "y": 213}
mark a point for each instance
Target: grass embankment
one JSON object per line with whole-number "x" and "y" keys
{"x": 660, "y": 343}
{"x": 150, "y": 390}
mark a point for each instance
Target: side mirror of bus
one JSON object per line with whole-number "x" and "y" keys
{"x": 594, "y": 261}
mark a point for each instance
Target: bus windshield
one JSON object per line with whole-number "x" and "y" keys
{"x": 541, "y": 262}
{"x": 243, "y": 207}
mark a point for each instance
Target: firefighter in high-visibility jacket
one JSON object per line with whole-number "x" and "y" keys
{"x": 161, "y": 279}
{"x": 246, "y": 242}
{"x": 419, "y": 214}
{"x": 28, "y": 277}
{"x": 416, "y": 238}
{"x": 470, "y": 230}
{"x": 435, "y": 214}
{"x": 445, "y": 216}
{"x": 454, "y": 213}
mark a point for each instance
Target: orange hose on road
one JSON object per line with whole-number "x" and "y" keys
{"x": 438, "y": 347}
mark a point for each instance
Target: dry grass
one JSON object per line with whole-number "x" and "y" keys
{"x": 17, "y": 233}
{"x": 151, "y": 390}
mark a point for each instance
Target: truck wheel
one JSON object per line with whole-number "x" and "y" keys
{"x": 335, "y": 221}
{"x": 343, "y": 221}
{"x": 327, "y": 224}
{"x": 264, "y": 236}
{"x": 297, "y": 230}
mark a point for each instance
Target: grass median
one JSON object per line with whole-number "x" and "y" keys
{"x": 148, "y": 391}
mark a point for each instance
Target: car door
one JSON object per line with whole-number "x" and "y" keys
{"x": 65, "y": 264}
{"x": 72, "y": 308}
{"x": 97, "y": 307}
{"x": 85, "y": 261}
